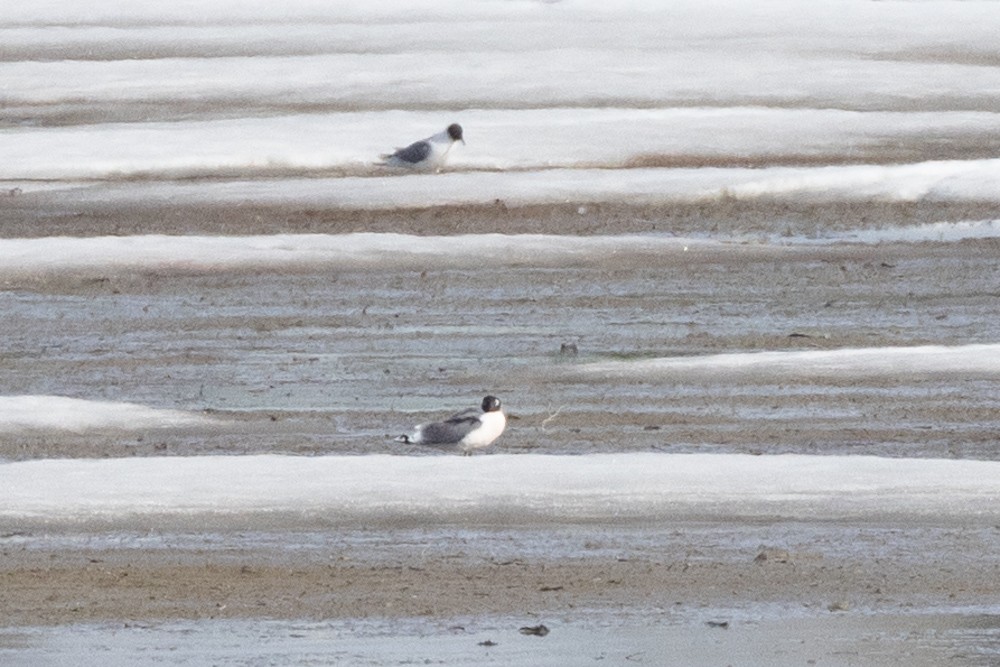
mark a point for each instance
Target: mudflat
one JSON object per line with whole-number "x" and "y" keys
{"x": 884, "y": 594}
{"x": 324, "y": 360}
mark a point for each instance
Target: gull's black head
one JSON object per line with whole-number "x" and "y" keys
{"x": 491, "y": 404}
{"x": 455, "y": 132}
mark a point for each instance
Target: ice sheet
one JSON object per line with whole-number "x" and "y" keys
{"x": 48, "y": 256}
{"x": 52, "y": 256}
{"x": 298, "y": 491}
{"x": 945, "y": 181}
{"x": 141, "y": 90}
{"x": 961, "y": 360}
{"x": 497, "y": 140}
{"x": 20, "y": 414}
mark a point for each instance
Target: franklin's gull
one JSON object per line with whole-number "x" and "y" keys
{"x": 427, "y": 154}
{"x": 470, "y": 429}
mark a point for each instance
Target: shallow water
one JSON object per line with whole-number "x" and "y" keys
{"x": 925, "y": 640}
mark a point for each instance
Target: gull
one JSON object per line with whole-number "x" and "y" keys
{"x": 470, "y": 429}
{"x": 427, "y": 154}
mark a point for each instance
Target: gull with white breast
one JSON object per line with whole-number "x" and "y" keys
{"x": 470, "y": 429}
{"x": 427, "y": 154}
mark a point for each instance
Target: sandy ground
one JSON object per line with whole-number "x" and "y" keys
{"x": 441, "y": 572}
{"x": 61, "y": 213}
{"x": 327, "y": 361}
{"x": 747, "y": 594}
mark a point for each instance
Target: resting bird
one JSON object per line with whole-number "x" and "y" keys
{"x": 470, "y": 429}
{"x": 428, "y": 154}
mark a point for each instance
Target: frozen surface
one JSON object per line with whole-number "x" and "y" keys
{"x": 501, "y": 141}
{"x": 943, "y": 181}
{"x": 52, "y": 256}
{"x": 967, "y": 361}
{"x": 49, "y": 256}
{"x": 693, "y": 245}
{"x": 58, "y": 413}
{"x": 197, "y": 491}
{"x": 140, "y": 91}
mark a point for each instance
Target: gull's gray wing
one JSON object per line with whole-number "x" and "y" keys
{"x": 451, "y": 430}
{"x": 416, "y": 152}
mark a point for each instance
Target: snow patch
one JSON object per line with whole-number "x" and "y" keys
{"x": 19, "y": 414}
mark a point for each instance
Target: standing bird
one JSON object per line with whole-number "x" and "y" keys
{"x": 427, "y": 154}
{"x": 470, "y": 429}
